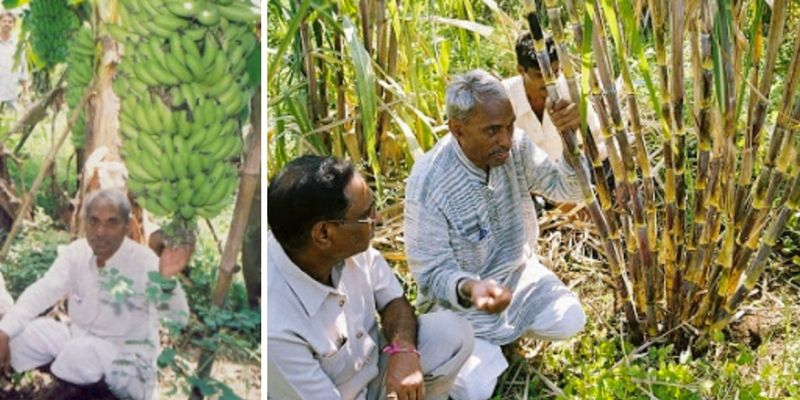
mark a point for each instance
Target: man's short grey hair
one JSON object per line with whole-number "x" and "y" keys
{"x": 466, "y": 90}
{"x": 114, "y": 196}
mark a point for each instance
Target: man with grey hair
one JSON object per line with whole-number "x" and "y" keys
{"x": 108, "y": 280}
{"x": 471, "y": 229}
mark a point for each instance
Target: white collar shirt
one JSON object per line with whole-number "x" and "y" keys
{"x": 93, "y": 308}
{"x": 322, "y": 341}
{"x": 542, "y": 132}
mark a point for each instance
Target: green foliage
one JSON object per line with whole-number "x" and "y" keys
{"x": 233, "y": 331}
{"x": 50, "y": 23}
{"x": 11, "y": 4}
{"x": 118, "y": 285}
{"x": 33, "y": 252}
{"x": 432, "y": 40}
{"x": 594, "y": 366}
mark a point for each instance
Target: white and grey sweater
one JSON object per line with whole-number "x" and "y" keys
{"x": 459, "y": 223}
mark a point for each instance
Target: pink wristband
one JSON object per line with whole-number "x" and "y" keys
{"x": 394, "y": 348}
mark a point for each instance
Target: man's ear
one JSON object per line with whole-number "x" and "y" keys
{"x": 455, "y": 126}
{"x": 321, "y": 235}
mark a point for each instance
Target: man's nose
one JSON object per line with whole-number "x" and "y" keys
{"x": 505, "y": 139}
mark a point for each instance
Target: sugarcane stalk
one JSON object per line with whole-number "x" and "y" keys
{"x": 759, "y": 101}
{"x": 724, "y": 200}
{"x": 627, "y": 177}
{"x": 642, "y": 159}
{"x": 679, "y": 156}
{"x": 590, "y": 146}
{"x": 766, "y": 188}
{"x": 756, "y": 266}
{"x": 310, "y": 70}
{"x": 572, "y": 156}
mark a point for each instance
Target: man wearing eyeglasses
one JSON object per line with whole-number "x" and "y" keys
{"x": 111, "y": 340}
{"x": 326, "y": 285}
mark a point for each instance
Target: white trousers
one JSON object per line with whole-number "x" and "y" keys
{"x": 560, "y": 320}
{"x": 82, "y": 359}
{"x": 444, "y": 342}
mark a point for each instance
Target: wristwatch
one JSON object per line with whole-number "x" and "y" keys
{"x": 464, "y": 300}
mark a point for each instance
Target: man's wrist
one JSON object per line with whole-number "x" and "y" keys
{"x": 464, "y": 292}
{"x": 394, "y": 348}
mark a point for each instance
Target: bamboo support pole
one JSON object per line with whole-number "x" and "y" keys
{"x": 233, "y": 244}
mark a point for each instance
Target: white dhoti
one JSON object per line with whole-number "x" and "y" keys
{"x": 560, "y": 318}
{"x": 82, "y": 359}
{"x": 444, "y": 342}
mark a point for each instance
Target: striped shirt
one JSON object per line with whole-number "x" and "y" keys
{"x": 461, "y": 223}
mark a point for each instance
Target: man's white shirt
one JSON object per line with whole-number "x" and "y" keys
{"x": 543, "y": 132}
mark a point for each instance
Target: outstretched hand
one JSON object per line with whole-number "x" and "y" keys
{"x": 489, "y": 296}
{"x": 172, "y": 258}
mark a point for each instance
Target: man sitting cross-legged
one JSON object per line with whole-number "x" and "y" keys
{"x": 110, "y": 339}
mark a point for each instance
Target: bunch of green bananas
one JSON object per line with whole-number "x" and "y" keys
{"x": 183, "y": 87}
{"x": 80, "y": 69}
{"x": 50, "y": 23}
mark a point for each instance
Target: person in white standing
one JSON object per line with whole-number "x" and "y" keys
{"x": 11, "y": 76}
{"x": 471, "y": 228}
{"x": 108, "y": 338}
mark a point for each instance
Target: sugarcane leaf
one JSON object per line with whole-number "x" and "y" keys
{"x": 505, "y": 19}
{"x": 9, "y": 4}
{"x": 289, "y": 36}
{"x": 367, "y": 96}
{"x": 483, "y": 30}
{"x": 611, "y": 20}
{"x": 414, "y": 148}
{"x": 748, "y": 61}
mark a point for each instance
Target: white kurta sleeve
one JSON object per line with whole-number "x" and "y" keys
{"x": 555, "y": 180}
{"x": 44, "y": 293}
{"x": 430, "y": 254}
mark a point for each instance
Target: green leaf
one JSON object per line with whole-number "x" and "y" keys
{"x": 483, "y": 30}
{"x": 367, "y": 97}
{"x": 166, "y": 357}
{"x": 9, "y": 4}
{"x": 276, "y": 60}
{"x": 254, "y": 67}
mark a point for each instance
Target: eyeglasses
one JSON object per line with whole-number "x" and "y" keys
{"x": 368, "y": 220}
{"x": 371, "y": 219}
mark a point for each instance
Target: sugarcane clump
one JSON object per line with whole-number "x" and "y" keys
{"x": 684, "y": 261}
